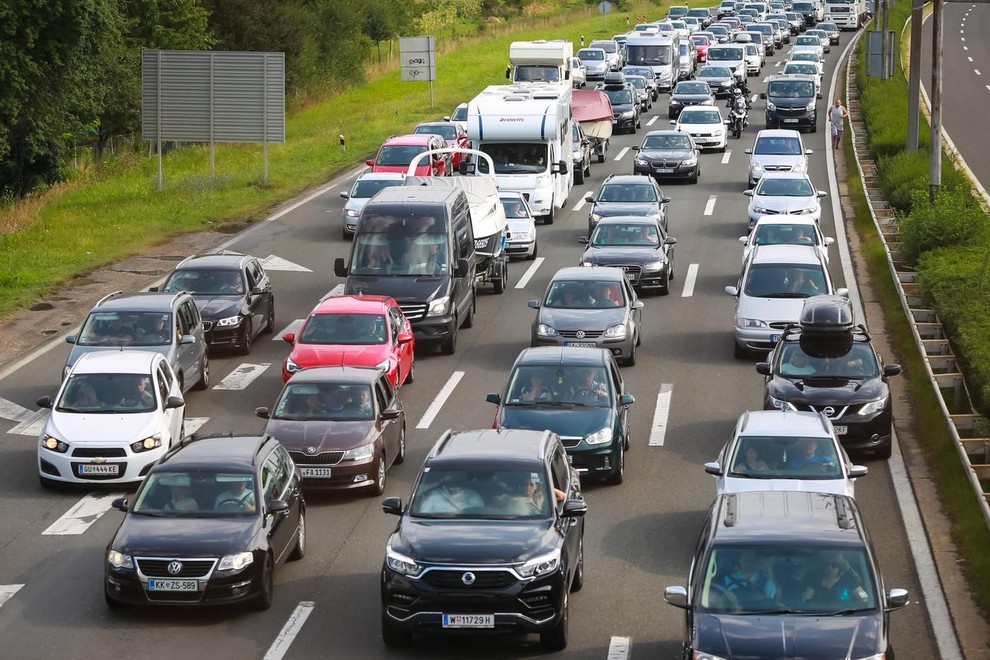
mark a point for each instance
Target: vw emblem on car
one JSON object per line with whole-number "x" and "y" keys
{"x": 310, "y": 450}
{"x": 174, "y": 567}
{"x": 468, "y": 578}
{"x": 829, "y": 411}
{"x": 579, "y": 334}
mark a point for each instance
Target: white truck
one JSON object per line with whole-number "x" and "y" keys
{"x": 526, "y": 129}
{"x": 540, "y": 61}
{"x": 846, "y": 14}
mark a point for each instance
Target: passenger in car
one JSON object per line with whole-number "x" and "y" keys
{"x": 537, "y": 390}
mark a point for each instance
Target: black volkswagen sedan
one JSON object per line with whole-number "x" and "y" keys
{"x": 639, "y": 246}
{"x": 208, "y": 526}
{"x": 668, "y": 154}
{"x": 689, "y": 92}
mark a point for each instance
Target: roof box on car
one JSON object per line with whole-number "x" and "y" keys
{"x": 826, "y": 326}
{"x": 614, "y": 78}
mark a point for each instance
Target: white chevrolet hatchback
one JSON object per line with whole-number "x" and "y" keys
{"x": 114, "y": 416}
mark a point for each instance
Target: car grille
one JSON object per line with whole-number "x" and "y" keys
{"x": 324, "y": 458}
{"x": 413, "y": 311}
{"x": 588, "y": 334}
{"x": 837, "y": 411}
{"x": 95, "y": 452}
{"x": 791, "y": 112}
{"x": 777, "y": 168}
{"x": 453, "y": 579}
{"x": 780, "y": 325}
{"x": 570, "y": 441}
{"x": 665, "y": 163}
{"x": 191, "y": 568}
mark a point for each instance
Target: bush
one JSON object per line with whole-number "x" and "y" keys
{"x": 954, "y": 220}
{"x": 900, "y": 175}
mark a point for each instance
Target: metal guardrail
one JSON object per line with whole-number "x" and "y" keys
{"x": 929, "y": 337}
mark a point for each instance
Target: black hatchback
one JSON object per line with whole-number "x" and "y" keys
{"x": 639, "y": 246}
{"x": 208, "y": 526}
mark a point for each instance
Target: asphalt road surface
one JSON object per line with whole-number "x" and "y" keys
{"x": 640, "y": 535}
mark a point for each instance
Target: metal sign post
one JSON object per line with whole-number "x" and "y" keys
{"x": 417, "y": 56}
{"x": 604, "y": 7}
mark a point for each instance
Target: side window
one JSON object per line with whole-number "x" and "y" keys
{"x": 288, "y": 467}
{"x": 167, "y": 376}
{"x": 193, "y": 312}
{"x": 384, "y": 392}
{"x": 252, "y": 276}
{"x": 616, "y": 378}
{"x": 560, "y": 469}
{"x": 630, "y": 292}
{"x": 183, "y": 321}
{"x": 395, "y": 321}
{"x": 163, "y": 384}
{"x": 274, "y": 478}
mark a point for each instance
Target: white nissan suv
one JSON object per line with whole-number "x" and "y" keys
{"x": 113, "y": 417}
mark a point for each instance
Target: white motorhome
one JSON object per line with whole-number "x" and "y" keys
{"x": 540, "y": 61}
{"x": 526, "y": 129}
{"x": 660, "y": 52}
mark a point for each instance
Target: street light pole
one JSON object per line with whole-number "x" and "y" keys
{"x": 914, "y": 78}
{"x": 935, "y": 156}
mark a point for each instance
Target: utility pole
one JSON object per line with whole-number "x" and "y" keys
{"x": 914, "y": 78}
{"x": 935, "y": 156}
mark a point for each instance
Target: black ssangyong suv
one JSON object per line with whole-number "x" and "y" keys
{"x": 492, "y": 539}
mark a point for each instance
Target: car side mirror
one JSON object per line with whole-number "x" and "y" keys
{"x": 391, "y": 413}
{"x": 713, "y": 468}
{"x": 748, "y": 193}
{"x": 534, "y": 304}
{"x": 174, "y": 402}
{"x": 763, "y": 95}
{"x": 896, "y": 599}
{"x": 636, "y": 148}
{"x": 829, "y": 240}
{"x": 626, "y": 399}
{"x": 278, "y": 506}
{"x": 446, "y": 117}
{"x": 673, "y": 122}
{"x": 637, "y": 304}
{"x": 463, "y": 268}
{"x": 822, "y": 193}
{"x": 819, "y": 95}
{"x": 405, "y": 337}
{"x": 732, "y": 291}
{"x": 744, "y": 239}
{"x": 665, "y": 200}
{"x": 392, "y": 505}
{"x": 289, "y": 337}
{"x": 748, "y": 151}
{"x": 339, "y": 269}
{"x": 153, "y": 288}
{"x": 763, "y": 368}
{"x": 670, "y": 240}
{"x": 583, "y": 240}
{"x": 842, "y": 291}
{"x": 559, "y": 167}
{"x": 676, "y": 596}
{"x": 44, "y": 402}
{"x": 370, "y": 161}
{"x": 590, "y": 198}
{"x": 493, "y": 397}
{"x": 120, "y": 504}
{"x": 574, "y": 508}
{"x": 857, "y": 471}
{"x": 891, "y": 369}
{"x": 71, "y": 339}
{"x": 345, "y": 195}
{"x": 508, "y": 73}
{"x": 808, "y": 152}
{"x": 187, "y": 339}
{"x": 262, "y": 412}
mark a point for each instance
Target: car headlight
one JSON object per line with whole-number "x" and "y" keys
{"x": 236, "y": 562}
{"x": 811, "y": 107}
{"x": 54, "y": 444}
{"x": 750, "y": 323}
{"x": 708, "y": 102}
{"x": 640, "y": 162}
{"x": 401, "y": 564}
{"x": 617, "y": 331}
{"x": 718, "y": 132}
{"x": 658, "y": 264}
{"x": 771, "y": 106}
{"x": 147, "y": 444}
{"x": 544, "y": 330}
{"x": 691, "y": 161}
{"x": 674, "y": 102}
{"x": 756, "y": 167}
{"x": 351, "y": 213}
{"x": 599, "y": 437}
{"x": 759, "y": 210}
{"x": 229, "y": 322}
{"x": 119, "y": 560}
{"x": 66, "y": 370}
{"x": 383, "y": 365}
{"x": 627, "y": 115}
{"x": 873, "y": 406}
{"x": 359, "y": 454}
{"x": 291, "y": 366}
{"x": 439, "y": 306}
{"x": 542, "y": 565}
{"x": 780, "y": 404}
{"x": 595, "y": 217}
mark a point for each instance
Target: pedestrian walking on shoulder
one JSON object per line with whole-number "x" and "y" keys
{"x": 836, "y": 115}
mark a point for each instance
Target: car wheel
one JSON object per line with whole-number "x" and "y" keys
{"x": 411, "y": 375}
{"x": 578, "y": 580}
{"x": 392, "y": 635}
{"x": 469, "y": 321}
{"x": 739, "y": 352}
{"x": 548, "y": 219}
{"x": 378, "y": 487}
{"x": 204, "y": 370}
{"x": 112, "y": 602}
{"x": 536, "y": 250}
{"x": 400, "y": 457}
{"x": 555, "y": 639}
{"x": 631, "y": 360}
{"x": 266, "y": 585}
{"x": 885, "y": 452}
{"x": 601, "y": 155}
{"x": 619, "y": 471}
{"x": 270, "y": 320}
{"x": 579, "y": 174}
{"x": 449, "y": 346}
{"x": 587, "y": 167}
{"x": 247, "y": 334}
{"x": 694, "y": 177}
{"x": 665, "y": 290}
{"x": 499, "y": 282}
{"x": 299, "y": 551}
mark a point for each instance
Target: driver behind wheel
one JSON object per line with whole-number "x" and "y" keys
{"x": 237, "y": 494}
{"x": 749, "y": 576}
{"x": 809, "y": 454}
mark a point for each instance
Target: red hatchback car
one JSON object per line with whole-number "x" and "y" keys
{"x": 399, "y": 150}
{"x": 453, "y": 134}
{"x": 354, "y": 331}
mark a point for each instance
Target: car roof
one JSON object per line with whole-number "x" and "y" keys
{"x": 626, "y": 179}
{"x": 224, "y": 452}
{"x": 627, "y": 220}
{"x": 382, "y": 176}
{"x": 786, "y": 254}
{"x": 590, "y": 274}
{"x": 784, "y": 423}
{"x": 785, "y": 175}
{"x": 138, "y": 301}
{"x": 116, "y": 362}
{"x": 788, "y": 516}
{"x": 414, "y": 139}
{"x": 664, "y": 132}
{"x": 490, "y": 446}
{"x": 338, "y": 374}
{"x": 562, "y": 356}
{"x": 223, "y": 260}
{"x": 785, "y": 219}
{"x": 353, "y": 304}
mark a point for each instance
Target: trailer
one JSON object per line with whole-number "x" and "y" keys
{"x": 593, "y": 111}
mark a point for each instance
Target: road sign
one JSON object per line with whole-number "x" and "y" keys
{"x": 417, "y": 56}
{"x": 604, "y": 7}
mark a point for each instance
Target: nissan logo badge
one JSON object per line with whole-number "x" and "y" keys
{"x": 174, "y": 567}
{"x": 468, "y": 579}
{"x": 828, "y": 410}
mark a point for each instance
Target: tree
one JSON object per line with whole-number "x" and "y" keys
{"x": 384, "y": 20}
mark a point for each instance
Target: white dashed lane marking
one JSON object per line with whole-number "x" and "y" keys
{"x": 658, "y": 430}
{"x": 726, "y": 156}
{"x": 710, "y": 206}
{"x": 524, "y": 280}
{"x": 689, "y": 279}
{"x": 442, "y": 396}
{"x": 653, "y": 120}
{"x": 79, "y": 518}
{"x": 242, "y": 376}
{"x": 289, "y": 631}
{"x": 7, "y": 592}
{"x": 622, "y": 153}
{"x": 619, "y": 648}
{"x": 582, "y": 201}
{"x": 969, "y": 58}
{"x": 977, "y": 72}
{"x": 193, "y": 424}
{"x": 292, "y": 327}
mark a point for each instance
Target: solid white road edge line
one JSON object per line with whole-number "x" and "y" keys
{"x": 524, "y": 280}
{"x": 85, "y": 512}
{"x": 689, "y": 279}
{"x": 658, "y": 430}
{"x": 710, "y": 206}
{"x": 622, "y": 153}
{"x": 619, "y": 648}
{"x": 442, "y": 396}
{"x": 7, "y": 592}
{"x": 242, "y": 376}
{"x": 289, "y": 631}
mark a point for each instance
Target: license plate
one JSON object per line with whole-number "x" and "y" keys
{"x": 98, "y": 468}
{"x": 841, "y": 430}
{"x": 468, "y": 620}
{"x": 790, "y": 121}
{"x": 773, "y": 339}
{"x": 173, "y": 585}
{"x": 322, "y": 472}
{"x": 664, "y": 170}
{"x": 631, "y": 277}
{"x": 582, "y": 344}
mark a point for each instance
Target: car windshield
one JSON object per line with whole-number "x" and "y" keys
{"x": 107, "y": 393}
{"x": 700, "y": 40}
{"x": 714, "y": 72}
{"x": 126, "y": 329}
{"x": 805, "y": 57}
{"x": 627, "y": 192}
{"x": 460, "y": 113}
{"x": 772, "y": 187}
{"x": 718, "y": 30}
{"x": 324, "y": 402}
{"x": 559, "y": 385}
{"x": 482, "y": 492}
{"x": 807, "y": 69}
{"x": 700, "y": 117}
{"x": 692, "y": 88}
{"x": 784, "y": 457}
{"x": 591, "y": 54}
{"x": 206, "y": 282}
{"x": 800, "y": 577}
{"x": 636, "y": 81}
{"x": 656, "y": 55}
{"x": 619, "y": 96}
{"x": 515, "y": 157}
{"x": 367, "y": 188}
{"x": 857, "y": 363}
{"x": 781, "y": 234}
{"x": 828, "y": 27}
{"x": 400, "y": 254}
{"x": 660, "y": 142}
{"x": 197, "y": 494}
{"x": 633, "y": 235}
{"x": 751, "y": 49}
{"x": 807, "y": 41}
{"x": 399, "y": 154}
{"x": 514, "y": 208}
{"x": 639, "y": 71}
{"x": 446, "y": 131}
{"x": 778, "y": 146}
{"x": 785, "y": 281}
{"x": 722, "y": 54}
{"x": 352, "y": 329}
{"x": 607, "y": 46}
{"x": 584, "y": 294}
{"x": 534, "y": 73}
{"x": 791, "y": 89}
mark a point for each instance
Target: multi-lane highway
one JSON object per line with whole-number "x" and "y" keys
{"x": 689, "y": 390}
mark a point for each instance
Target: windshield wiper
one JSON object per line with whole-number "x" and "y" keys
{"x": 846, "y": 612}
{"x": 785, "y": 294}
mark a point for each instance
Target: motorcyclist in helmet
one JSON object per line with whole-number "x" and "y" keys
{"x": 739, "y": 102}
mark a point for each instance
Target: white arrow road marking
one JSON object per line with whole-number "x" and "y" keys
{"x": 689, "y": 280}
{"x": 622, "y": 153}
{"x": 34, "y": 424}
{"x": 289, "y": 631}
{"x": 193, "y": 424}
{"x": 581, "y": 202}
{"x": 7, "y": 591}
{"x": 726, "y": 156}
{"x": 710, "y": 206}
{"x": 13, "y": 411}
{"x": 442, "y": 396}
{"x": 524, "y": 280}
{"x": 653, "y": 120}
{"x": 659, "y": 428}
{"x": 242, "y": 376}
{"x": 619, "y": 648}
{"x": 271, "y": 262}
{"x": 292, "y": 327}
{"x": 79, "y": 518}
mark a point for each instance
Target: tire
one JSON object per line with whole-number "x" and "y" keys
{"x": 299, "y": 551}
{"x": 381, "y": 470}
{"x": 639, "y": 122}
{"x": 270, "y": 320}
{"x": 618, "y": 472}
{"x": 266, "y": 585}
{"x": 885, "y": 452}
{"x": 401, "y": 456}
{"x": 739, "y": 352}
{"x": 579, "y": 174}
{"x": 722, "y": 150}
{"x": 578, "y": 581}
{"x": 694, "y": 177}
{"x": 601, "y": 156}
{"x": 112, "y": 602}
{"x": 631, "y": 360}
{"x": 449, "y": 347}
{"x": 411, "y": 376}
{"x": 549, "y": 218}
{"x": 665, "y": 291}
{"x": 499, "y": 283}
{"x": 469, "y": 321}
{"x": 587, "y": 168}
{"x": 204, "y": 379}
{"x": 392, "y": 635}
{"x": 555, "y": 639}
{"x": 247, "y": 335}
{"x": 536, "y": 250}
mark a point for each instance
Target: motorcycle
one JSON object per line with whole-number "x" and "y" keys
{"x": 738, "y": 118}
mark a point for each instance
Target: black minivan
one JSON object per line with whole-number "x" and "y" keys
{"x": 416, "y": 245}
{"x": 791, "y": 102}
